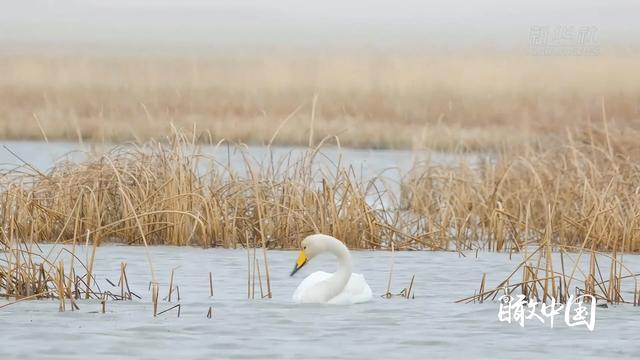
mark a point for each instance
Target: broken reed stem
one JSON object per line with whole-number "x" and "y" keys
{"x": 170, "y": 286}
{"x": 410, "y": 286}
{"x": 121, "y": 280}
{"x": 155, "y": 289}
{"x": 34, "y": 296}
{"x": 248, "y": 267}
{"x": 126, "y": 281}
{"x": 61, "y": 290}
{"x": 90, "y": 263}
{"x": 210, "y": 284}
{"x": 388, "y": 294}
{"x": 257, "y": 265}
{"x": 178, "y": 306}
{"x": 266, "y": 270}
{"x": 262, "y": 239}
{"x": 253, "y": 272}
{"x": 72, "y": 276}
{"x": 253, "y": 275}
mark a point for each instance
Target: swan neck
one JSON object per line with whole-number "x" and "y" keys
{"x": 340, "y": 278}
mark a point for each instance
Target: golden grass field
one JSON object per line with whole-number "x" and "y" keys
{"x": 579, "y": 199}
{"x": 468, "y": 101}
{"x": 562, "y": 133}
{"x": 580, "y": 194}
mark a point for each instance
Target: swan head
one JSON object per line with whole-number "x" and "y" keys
{"x": 312, "y": 246}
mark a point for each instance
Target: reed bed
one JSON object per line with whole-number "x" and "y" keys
{"x": 579, "y": 198}
{"x": 574, "y": 201}
{"x": 28, "y": 273}
{"x": 575, "y": 272}
{"x": 164, "y": 193}
{"x": 466, "y": 100}
{"x": 583, "y": 193}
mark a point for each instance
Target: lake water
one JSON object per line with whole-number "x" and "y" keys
{"x": 386, "y": 166}
{"x": 365, "y": 162}
{"x": 429, "y": 326}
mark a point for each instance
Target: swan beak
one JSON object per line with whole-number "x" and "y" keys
{"x": 302, "y": 259}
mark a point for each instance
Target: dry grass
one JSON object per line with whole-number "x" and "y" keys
{"x": 167, "y": 194}
{"x": 583, "y": 194}
{"x": 579, "y": 198}
{"x": 576, "y": 194}
{"x": 539, "y": 278}
{"x": 466, "y": 101}
{"x": 27, "y": 273}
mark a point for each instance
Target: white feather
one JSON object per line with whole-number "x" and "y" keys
{"x": 356, "y": 291}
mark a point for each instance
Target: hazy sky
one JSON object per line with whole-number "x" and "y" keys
{"x": 210, "y": 24}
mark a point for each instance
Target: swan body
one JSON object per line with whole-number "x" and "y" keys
{"x": 342, "y": 287}
{"x": 356, "y": 291}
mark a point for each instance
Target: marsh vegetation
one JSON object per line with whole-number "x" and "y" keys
{"x": 468, "y": 101}
{"x": 580, "y": 197}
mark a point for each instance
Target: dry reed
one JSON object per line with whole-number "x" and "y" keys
{"x": 163, "y": 194}
{"x": 579, "y": 198}
{"x": 472, "y": 101}
{"x": 583, "y": 193}
{"x": 536, "y": 278}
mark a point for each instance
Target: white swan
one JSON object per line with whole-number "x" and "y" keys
{"x": 341, "y": 287}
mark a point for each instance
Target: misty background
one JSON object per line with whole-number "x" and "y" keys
{"x": 205, "y": 25}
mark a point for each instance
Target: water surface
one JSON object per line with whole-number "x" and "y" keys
{"x": 429, "y": 326}
{"x": 365, "y": 162}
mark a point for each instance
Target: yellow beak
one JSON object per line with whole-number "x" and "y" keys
{"x": 302, "y": 259}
